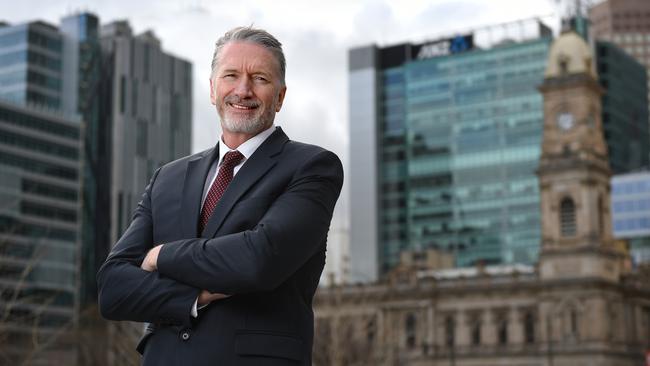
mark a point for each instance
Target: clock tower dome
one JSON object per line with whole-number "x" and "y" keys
{"x": 573, "y": 170}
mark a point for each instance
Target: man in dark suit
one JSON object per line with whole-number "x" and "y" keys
{"x": 226, "y": 247}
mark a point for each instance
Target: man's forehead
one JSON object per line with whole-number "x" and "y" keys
{"x": 249, "y": 56}
{"x": 238, "y": 50}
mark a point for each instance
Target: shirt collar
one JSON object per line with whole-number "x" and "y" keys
{"x": 249, "y": 146}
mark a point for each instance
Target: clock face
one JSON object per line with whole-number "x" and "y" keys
{"x": 565, "y": 121}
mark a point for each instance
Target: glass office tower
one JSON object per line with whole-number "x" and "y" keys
{"x": 86, "y": 92}
{"x": 457, "y": 139}
{"x": 625, "y": 108}
{"x": 470, "y": 128}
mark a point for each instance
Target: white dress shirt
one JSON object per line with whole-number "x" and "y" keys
{"x": 247, "y": 149}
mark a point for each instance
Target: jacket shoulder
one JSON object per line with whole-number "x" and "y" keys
{"x": 182, "y": 162}
{"x": 306, "y": 151}
{"x": 306, "y": 156}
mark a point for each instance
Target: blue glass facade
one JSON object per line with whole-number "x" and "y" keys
{"x": 30, "y": 64}
{"x": 631, "y": 205}
{"x": 631, "y": 212}
{"x": 459, "y": 148}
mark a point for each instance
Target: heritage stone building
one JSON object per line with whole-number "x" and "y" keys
{"x": 581, "y": 305}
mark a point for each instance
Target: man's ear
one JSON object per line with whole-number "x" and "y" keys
{"x": 213, "y": 96}
{"x": 278, "y": 106}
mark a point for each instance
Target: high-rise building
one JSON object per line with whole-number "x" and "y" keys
{"x": 31, "y": 64}
{"x": 131, "y": 103}
{"x": 445, "y": 142}
{"x": 59, "y": 69}
{"x": 624, "y": 108}
{"x": 40, "y": 244}
{"x": 149, "y": 110}
{"x": 85, "y": 88}
{"x": 625, "y": 23}
{"x": 150, "y": 115}
{"x": 444, "y": 145}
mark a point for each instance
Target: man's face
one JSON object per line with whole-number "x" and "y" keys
{"x": 246, "y": 88}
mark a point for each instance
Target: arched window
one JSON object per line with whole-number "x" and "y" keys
{"x": 450, "y": 331}
{"x": 411, "y": 339}
{"x": 567, "y": 217}
{"x": 529, "y": 328}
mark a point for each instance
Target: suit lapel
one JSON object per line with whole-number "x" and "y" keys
{"x": 197, "y": 171}
{"x": 262, "y": 160}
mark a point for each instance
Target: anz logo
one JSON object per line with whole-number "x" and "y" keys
{"x": 445, "y": 47}
{"x": 459, "y": 44}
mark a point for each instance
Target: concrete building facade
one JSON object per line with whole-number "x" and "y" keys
{"x": 151, "y": 114}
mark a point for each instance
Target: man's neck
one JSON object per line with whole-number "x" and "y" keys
{"x": 233, "y": 140}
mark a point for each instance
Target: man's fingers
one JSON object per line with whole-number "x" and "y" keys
{"x": 206, "y": 297}
{"x": 218, "y": 296}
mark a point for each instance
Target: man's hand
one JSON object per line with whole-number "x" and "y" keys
{"x": 207, "y": 297}
{"x": 150, "y": 262}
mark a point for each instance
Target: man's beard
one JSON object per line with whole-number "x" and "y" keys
{"x": 251, "y": 125}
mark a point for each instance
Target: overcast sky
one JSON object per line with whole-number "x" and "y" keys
{"x": 316, "y": 36}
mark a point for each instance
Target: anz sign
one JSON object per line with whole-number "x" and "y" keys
{"x": 445, "y": 47}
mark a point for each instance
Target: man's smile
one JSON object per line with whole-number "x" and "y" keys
{"x": 242, "y": 106}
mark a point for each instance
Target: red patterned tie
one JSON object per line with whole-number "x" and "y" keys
{"x": 230, "y": 160}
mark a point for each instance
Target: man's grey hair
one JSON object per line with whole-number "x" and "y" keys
{"x": 253, "y": 35}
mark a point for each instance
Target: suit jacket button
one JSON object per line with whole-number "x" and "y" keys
{"x": 185, "y": 335}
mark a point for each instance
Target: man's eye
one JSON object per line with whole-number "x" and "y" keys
{"x": 229, "y": 76}
{"x": 260, "y": 78}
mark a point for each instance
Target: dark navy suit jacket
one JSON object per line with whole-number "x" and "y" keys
{"x": 264, "y": 244}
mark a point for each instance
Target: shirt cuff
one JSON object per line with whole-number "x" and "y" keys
{"x": 194, "y": 312}
{"x": 195, "y": 308}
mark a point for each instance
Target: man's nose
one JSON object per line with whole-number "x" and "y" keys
{"x": 243, "y": 87}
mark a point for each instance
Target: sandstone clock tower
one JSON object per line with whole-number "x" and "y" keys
{"x": 574, "y": 170}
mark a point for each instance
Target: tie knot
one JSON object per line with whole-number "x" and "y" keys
{"x": 232, "y": 158}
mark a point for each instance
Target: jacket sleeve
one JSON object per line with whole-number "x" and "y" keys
{"x": 292, "y": 230}
{"x": 127, "y": 292}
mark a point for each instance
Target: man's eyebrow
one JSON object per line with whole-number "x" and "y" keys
{"x": 228, "y": 70}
